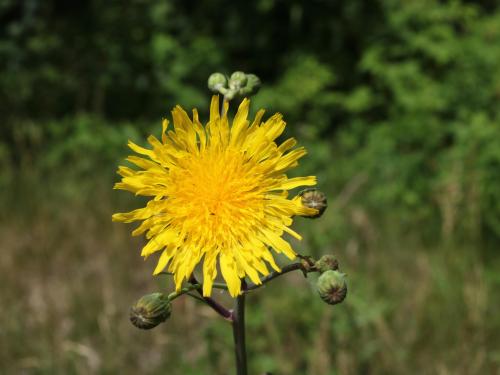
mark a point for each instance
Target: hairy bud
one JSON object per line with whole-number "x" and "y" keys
{"x": 150, "y": 310}
{"x": 252, "y": 86}
{"x": 332, "y": 287}
{"x": 216, "y": 82}
{"x": 314, "y": 198}
{"x": 237, "y": 80}
{"x": 326, "y": 263}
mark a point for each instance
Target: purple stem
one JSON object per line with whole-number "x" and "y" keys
{"x": 219, "y": 309}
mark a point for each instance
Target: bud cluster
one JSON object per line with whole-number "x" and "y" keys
{"x": 238, "y": 84}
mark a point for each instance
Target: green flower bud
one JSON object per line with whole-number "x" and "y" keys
{"x": 252, "y": 86}
{"x": 332, "y": 287}
{"x": 216, "y": 81}
{"x": 326, "y": 263}
{"x": 237, "y": 80}
{"x": 314, "y": 198}
{"x": 150, "y": 310}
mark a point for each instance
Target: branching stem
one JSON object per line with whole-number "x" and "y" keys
{"x": 305, "y": 266}
{"x": 216, "y": 306}
{"x": 185, "y": 290}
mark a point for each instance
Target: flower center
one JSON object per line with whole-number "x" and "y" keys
{"x": 219, "y": 190}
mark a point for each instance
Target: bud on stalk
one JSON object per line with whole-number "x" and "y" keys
{"x": 326, "y": 263}
{"x": 237, "y": 80}
{"x": 332, "y": 287}
{"x": 314, "y": 198}
{"x": 150, "y": 310}
{"x": 216, "y": 82}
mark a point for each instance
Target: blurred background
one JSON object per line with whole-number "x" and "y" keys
{"x": 398, "y": 104}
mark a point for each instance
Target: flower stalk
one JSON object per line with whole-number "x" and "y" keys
{"x": 305, "y": 266}
{"x": 238, "y": 317}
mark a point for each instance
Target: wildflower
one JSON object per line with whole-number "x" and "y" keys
{"x": 218, "y": 195}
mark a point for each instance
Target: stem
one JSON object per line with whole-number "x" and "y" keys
{"x": 196, "y": 297}
{"x": 220, "y": 286}
{"x": 192, "y": 287}
{"x": 238, "y": 316}
{"x": 216, "y": 306}
{"x": 185, "y": 290}
{"x": 239, "y": 335}
{"x": 215, "y": 285}
{"x": 288, "y": 268}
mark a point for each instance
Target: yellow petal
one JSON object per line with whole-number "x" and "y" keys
{"x": 230, "y": 274}
{"x": 209, "y": 272}
{"x": 214, "y": 108}
{"x": 162, "y": 262}
{"x": 292, "y": 183}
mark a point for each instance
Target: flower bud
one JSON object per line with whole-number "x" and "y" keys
{"x": 237, "y": 80}
{"x": 314, "y": 198}
{"x": 252, "y": 86}
{"x": 216, "y": 81}
{"x": 326, "y": 263}
{"x": 150, "y": 310}
{"x": 332, "y": 287}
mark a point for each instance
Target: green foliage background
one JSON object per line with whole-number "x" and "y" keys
{"x": 396, "y": 101}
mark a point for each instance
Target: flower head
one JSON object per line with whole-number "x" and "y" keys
{"x": 218, "y": 195}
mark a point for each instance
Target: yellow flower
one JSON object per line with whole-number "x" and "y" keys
{"x": 219, "y": 195}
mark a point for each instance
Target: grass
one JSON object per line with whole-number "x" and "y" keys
{"x": 68, "y": 276}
